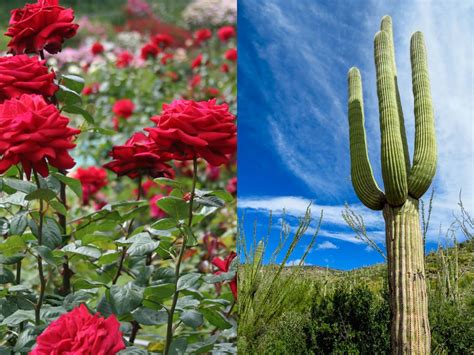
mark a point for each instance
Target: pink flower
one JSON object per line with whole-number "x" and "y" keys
{"x": 79, "y": 332}
{"x": 195, "y": 81}
{"x": 232, "y": 185}
{"x": 213, "y": 172}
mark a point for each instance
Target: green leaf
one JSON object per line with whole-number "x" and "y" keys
{"x": 223, "y": 195}
{"x": 210, "y": 201}
{"x": 164, "y": 224}
{"x": 18, "y": 223}
{"x": 225, "y": 276}
{"x": 215, "y": 318}
{"x": 58, "y": 207}
{"x": 143, "y": 246}
{"x": 174, "y": 206}
{"x": 41, "y": 194}
{"x": 6, "y": 276}
{"x": 192, "y": 318}
{"x": 26, "y": 340}
{"x": 188, "y": 281}
{"x": 73, "y": 82}
{"x": 169, "y": 182}
{"x": 12, "y": 259}
{"x": 12, "y": 245}
{"x": 178, "y": 346}
{"x": 46, "y": 254}
{"x": 87, "y": 284}
{"x": 51, "y": 232}
{"x": 19, "y": 185}
{"x": 158, "y": 293}
{"x": 125, "y": 298}
{"x": 85, "y": 251}
{"x": 147, "y": 316}
{"x": 19, "y": 317}
{"x": 132, "y": 350}
{"x": 68, "y": 96}
{"x": 79, "y": 111}
{"x": 73, "y": 184}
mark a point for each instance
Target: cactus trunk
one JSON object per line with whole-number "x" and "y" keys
{"x": 404, "y": 183}
{"x": 410, "y": 331}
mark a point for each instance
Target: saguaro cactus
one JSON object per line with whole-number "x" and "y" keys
{"x": 404, "y": 183}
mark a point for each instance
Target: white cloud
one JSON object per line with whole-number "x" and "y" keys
{"x": 326, "y": 245}
{"x": 296, "y": 262}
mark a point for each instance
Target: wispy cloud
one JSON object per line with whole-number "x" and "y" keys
{"x": 326, "y": 245}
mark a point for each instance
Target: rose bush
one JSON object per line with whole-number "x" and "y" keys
{"x": 121, "y": 245}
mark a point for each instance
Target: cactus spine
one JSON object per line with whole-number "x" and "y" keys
{"x": 404, "y": 183}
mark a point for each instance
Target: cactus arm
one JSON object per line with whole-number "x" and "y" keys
{"x": 393, "y": 161}
{"x": 363, "y": 179}
{"x": 424, "y": 158}
{"x": 386, "y": 26}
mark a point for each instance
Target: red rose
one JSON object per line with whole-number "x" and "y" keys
{"x": 124, "y": 59}
{"x": 195, "y": 81}
{"x": 172, "y": 75}
{"x": 137, "y": 157}
{"x": 149, "y": 50}
{"x": 213, "y": 92}
{"x": 224, "y": 266}
{"x": 34, "y": 133}
{"x": 202, "y": 35}
{"x": 166, "y": 58}
{"x": 188, "y": 129}
{"x": 92, "y": 180}
{"x": 155, "y": 211}
{"x": 225, "y": 68}
{"x": 91, "y": 89}
{"x": 97, "y": 48}
{"x": 212, "y": 244}
{"x": 163, "y": 40}
{"x": 231, "y": 54}
{"x": 197, "y": 61}
{"x": 44, "y": 25}
{"x": 232, "y": 185}
{"x": 21, "y": 74}
{"x": 123, "y": 108}
{"x": 79, "y": 332}
{"x": 225, "y": 33}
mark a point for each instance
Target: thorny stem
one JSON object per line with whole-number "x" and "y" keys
{"x": 135, "y": 329}
{"x": 169, "y": 331}
{"x": 67, "y": 272}
{"x": 39, "y": 304}
{"x": 124, "y": 249}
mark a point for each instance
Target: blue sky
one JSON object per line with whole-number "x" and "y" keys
{"x": 293, "y": 131}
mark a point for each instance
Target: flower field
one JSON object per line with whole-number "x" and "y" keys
{"x": 118, "y": 181}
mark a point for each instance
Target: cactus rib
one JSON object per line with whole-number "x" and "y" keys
{"x": 363, "y": 179}
{"x": 393, "y": 162}
{"x": 424, "y": 158}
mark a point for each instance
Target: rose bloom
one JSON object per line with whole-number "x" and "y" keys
{"x": 202, "y": 35}
{"x": 231, "y": 186}
{"x": 166, "y": 58}
{"x": 224, "y": 266}
{"x": 224, "y": 68}
{"x": 97, "y": 48}
{"x": 225, "y": 33}
{"x": 92, "y": 180}
{"x": 163, "y": 40}
{"x": 212, "y": 91}
{"x": 40, "y": 26}
{"x": 91, "y": 89}
{"x": 195, "y": 81}
{"x": 21, "y": 74}
{"x": 149, "y": 50}
{"x": 155, "y": 211}
{"x": 34, "y": 133}
{"x": 196, "y": 62}
{"x": 137, "y": 157}
{"x": 231, "y": 54}
{"x": 79, "y": 332}
{"x": 123, "y": 108}
{"x": 124, "y": 59}
{"x": 189, "y": 129}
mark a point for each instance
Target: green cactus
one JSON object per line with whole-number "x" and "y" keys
{"x": 404, "y": 183}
